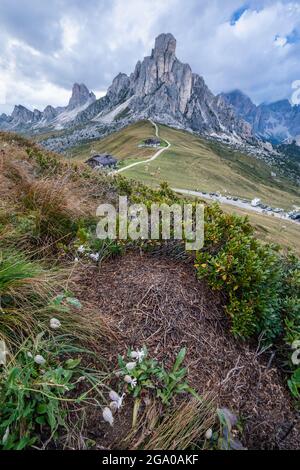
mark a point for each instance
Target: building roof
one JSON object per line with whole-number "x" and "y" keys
{"x": 104, "y": 160}
{"x": 152, "y": 140}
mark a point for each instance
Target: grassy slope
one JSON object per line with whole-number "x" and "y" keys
{"x": 270, "y": 229}
{"x": 124, "y": 147}
{"x": 194, "y": 163}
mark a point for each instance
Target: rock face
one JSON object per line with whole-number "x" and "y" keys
{"x": 49, "y": 113}
{"x": 163, "y": 88}
{"x": 80, "y": 96}
{"x": 277, "y": 121}
{"x": 22, "y": 115}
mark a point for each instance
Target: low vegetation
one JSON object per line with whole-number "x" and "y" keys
{"x": 58, "y": 349}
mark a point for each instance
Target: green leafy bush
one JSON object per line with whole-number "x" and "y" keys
{"x": 294, "y": 383}
{"x": 258, "y": 281}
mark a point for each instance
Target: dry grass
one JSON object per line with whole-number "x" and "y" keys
{"x": 183, "y": 427}
{"x": 271, "y": 229}
{"x": 38, "y": 209}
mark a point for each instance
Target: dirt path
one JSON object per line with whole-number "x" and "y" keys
{"x": 151, "y": 159}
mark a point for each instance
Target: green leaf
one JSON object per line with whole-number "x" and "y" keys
{"x": 74, "y": 302}
{"x": 72, "y": 363}
{"x": 40, "y": 420}
{"x": 179, "y": 359}
{"x": 58, "y": 300}
{"x": 25, "y": 442}
{"x": 42, "y": 408}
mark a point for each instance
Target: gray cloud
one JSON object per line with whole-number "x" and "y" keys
{"x": 45, "y": 47}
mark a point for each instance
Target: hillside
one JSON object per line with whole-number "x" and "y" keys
{"x": 204, "y": 339}
{"x": 197, "y": 164}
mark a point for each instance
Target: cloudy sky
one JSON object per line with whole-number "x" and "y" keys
{"x": 47, "y": 46}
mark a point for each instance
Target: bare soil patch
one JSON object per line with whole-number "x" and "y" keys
{"x": 160, "y": 303}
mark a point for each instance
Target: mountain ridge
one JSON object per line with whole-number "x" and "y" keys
{"x": 165, "y": 89}
{"x": 162, "y": 88}
{"x": 22, "y": 118}
{"x": 278, "y": 121}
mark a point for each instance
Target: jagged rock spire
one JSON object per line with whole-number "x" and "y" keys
{"x": 80, "y": 95}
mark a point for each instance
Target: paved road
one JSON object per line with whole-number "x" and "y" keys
{"x": 238, "y": 203}
{"x": 157, "y": 154}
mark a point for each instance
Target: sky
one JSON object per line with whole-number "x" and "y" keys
{"x": 47, "y": 46}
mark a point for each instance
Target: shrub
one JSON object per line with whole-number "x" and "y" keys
{"x": 255, "y": 277}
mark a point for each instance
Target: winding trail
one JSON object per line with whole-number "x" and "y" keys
{"x": 157, "y": 154}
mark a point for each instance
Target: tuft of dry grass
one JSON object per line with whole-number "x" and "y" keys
{"x": 182, "y": 427}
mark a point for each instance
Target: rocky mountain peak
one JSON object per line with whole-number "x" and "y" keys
{"x": 49, "y": 113}
{"x": 165, "y": 89}
{"x": 241, "y": 103}
{"x": 162, "y": 88}
{"x": 118, "y": 90}
{"x": 21, "y": 114}
{"x": 165, "y": 43}
{"x": 282, "y": 106}
{"x": 80, "y": 96}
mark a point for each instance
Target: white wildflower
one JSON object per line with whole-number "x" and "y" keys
{"x": 208, "y": 434}
{"x": 81, "y": 379}
{"x": 117, "y": 398}
{"x": 29, "y": 354}
{"x": 131, "y": 365}
{"x": 5, "y": 437}
{"x": 113, "y": 395}
{"x": 113, "y": 406}
{"x": 76, "y": 260}
{"x": 107, "y": 416}
{"x": 3, "y": 353}
{"x": 55, "y": 324}
{"x": 95, "y": 256}
{"x": 81, "y": 249}
{"x": 38, "y": 359}
{"x": 131, "y": 381}
{"x": 139, "y": 355}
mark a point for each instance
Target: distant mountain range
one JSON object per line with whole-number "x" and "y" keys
{"x": 277, "y": 122}
{"x": 22, "y": 119}
{"x": 166, "y": 90}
